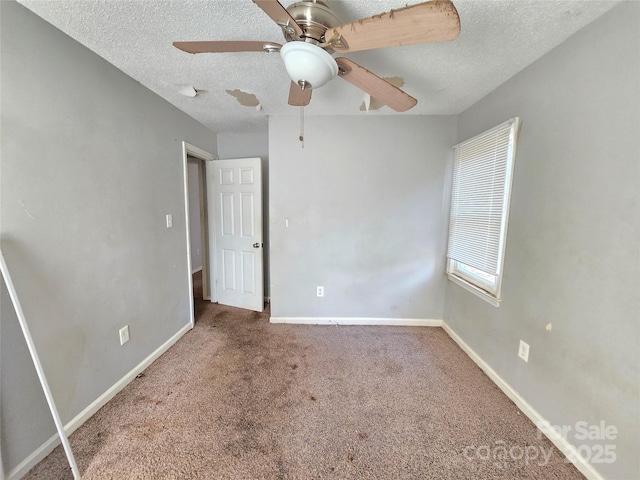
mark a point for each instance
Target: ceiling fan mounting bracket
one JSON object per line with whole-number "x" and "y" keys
{"x": 343, "y": 69}
{"x": 289, "y": 32}
{"x": 271, "y": 47}
{"x": 336, "y": 43}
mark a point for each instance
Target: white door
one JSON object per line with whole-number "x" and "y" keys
{"x": 235, "y": 192}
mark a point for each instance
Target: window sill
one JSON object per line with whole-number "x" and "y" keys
{"x": 478, "y": 292}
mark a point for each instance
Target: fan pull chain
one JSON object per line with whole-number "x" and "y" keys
{"x": 301, "y": 137}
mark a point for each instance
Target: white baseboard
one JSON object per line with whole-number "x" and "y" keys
{"x": 196, "y": 270}
{"x": 47, "y": 447}
{"x": 405, "y": 322}
{"x": 36, "y": 457}
{"x": 83, "y": 416}
{"x": 558, "y": 440}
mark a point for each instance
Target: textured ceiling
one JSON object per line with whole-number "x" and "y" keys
{"x": 498, "y": 39}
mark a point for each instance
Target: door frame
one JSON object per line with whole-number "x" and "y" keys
{"x": 208, "y": 267}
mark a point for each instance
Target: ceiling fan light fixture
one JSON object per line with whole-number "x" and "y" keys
{"x": 308, "y": 64}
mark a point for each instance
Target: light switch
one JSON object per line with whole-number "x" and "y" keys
{"x": 169, "y": 221}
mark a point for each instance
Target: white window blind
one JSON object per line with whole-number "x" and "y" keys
{"x": 480, "y": 197}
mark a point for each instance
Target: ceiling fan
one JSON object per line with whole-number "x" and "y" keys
{"x": 313, "y": 34}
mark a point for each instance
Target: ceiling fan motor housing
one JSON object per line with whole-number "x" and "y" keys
{"x": 314, "y": 18}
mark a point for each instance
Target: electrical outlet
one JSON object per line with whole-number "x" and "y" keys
{"x": 124, "y": 334}
{"x": 320, "y": 291}
{"x": 523, "y": 351}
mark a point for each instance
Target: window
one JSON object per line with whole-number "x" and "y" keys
{"x": 480, "y": 193}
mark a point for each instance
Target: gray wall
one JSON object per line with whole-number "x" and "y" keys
{"x": 91, "y": 164}
{"x": 573, "y": 249}
{"x": 195, "y": 229}
{"x": 250, "y": 145}
{"x": 364, "y": 203}
{"x": 25, "y": 422}
{"x": 243, "y": 145}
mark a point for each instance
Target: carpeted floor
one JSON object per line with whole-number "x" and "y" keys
{"x": 239, "y": 398}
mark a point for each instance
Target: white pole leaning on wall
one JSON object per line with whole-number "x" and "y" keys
{"x": 36, "y": 362}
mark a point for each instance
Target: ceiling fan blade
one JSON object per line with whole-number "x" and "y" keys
{"x": 434, "y": 21}
{"x": 223, "y": 47}
{"x": 375, "y": 86}
{"x": 279, "y": 14}
{"x": 299, "y": 97}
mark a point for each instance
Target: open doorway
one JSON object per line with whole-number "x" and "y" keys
{"x": 223, "y": 209}
{"x": 197, "y": 223}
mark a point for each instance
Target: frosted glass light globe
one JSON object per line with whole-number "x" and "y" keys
{"x": 308, "y": 63}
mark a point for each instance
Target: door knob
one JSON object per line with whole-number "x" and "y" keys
{"x": 257, "y": 245}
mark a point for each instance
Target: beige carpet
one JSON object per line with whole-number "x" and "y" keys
{"x": 239, "y": 398}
